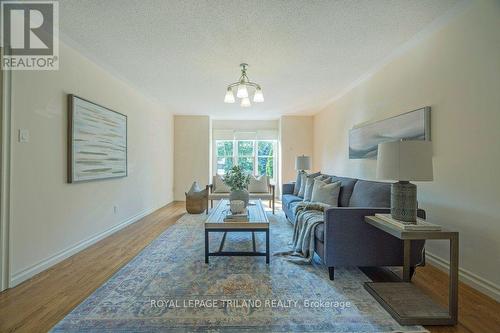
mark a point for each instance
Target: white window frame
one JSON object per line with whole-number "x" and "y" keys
{"x": 225, "y": 156}
{"x": 274, "y": 157}
{"x": 237, "y": 155}
{"x": 255, "y": 155}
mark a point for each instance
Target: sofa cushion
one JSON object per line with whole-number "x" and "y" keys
{"x": 263, "y": 196}
{"x": 319, "y": 248}
{"x": 218, "y": 196}
{"x": 371, "y": 194}
{"x": 292, "y": 206}
{"x": 346, "y": 188}
{"x": 258, "y": 184}
{"x": 319, "y": 232}
{"x": 252, "y": 196}
{"x": 325, "y": 192}
{"x": 219, "y": 185}
{"x": 287, "y": 199}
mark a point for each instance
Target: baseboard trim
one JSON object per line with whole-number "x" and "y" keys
{"x": 31, "y": 271}
{"x": 473, "y": 280}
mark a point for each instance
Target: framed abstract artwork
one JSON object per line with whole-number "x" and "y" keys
{"x": 97, "y": 141}
{"x": 413, "y": 125}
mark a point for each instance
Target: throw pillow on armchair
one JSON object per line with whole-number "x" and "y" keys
{"x": 258, "y": 184}
{"x": 220, "y": 186}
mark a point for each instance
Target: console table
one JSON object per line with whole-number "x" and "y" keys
{"x": 403, "y": 300}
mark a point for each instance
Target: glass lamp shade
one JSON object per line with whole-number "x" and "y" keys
{"x": 229, "y": 98}
{"x": 245, "y": 102}
{"x": 242, "y": 91}
{"x": 258, "y": 97}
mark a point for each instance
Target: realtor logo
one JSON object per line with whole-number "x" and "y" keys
{"x": 30, "y": 35}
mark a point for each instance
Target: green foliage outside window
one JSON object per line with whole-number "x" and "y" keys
{"x": 253, "y": 157}
{"x": 246, "y": 164}
{"x": 265, "y": 159}
{"x": 245, "y": 148}
{"x": 224, "y": 148}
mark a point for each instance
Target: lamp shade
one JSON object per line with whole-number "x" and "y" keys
{"x": 303, "y": 163}
{"x": 258, "y": 97}
{"x": 229, "y": 98}
{"x": 242, "y": 91}
{"x": 405, "y": 160}
{"x": 245, "y": 102}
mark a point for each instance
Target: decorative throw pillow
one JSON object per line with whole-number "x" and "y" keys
{"x": 309, "y": 185}
{"x": 303, "y": 178}
{"x": 296, "y": 187}
{"x": 326, "y": 193}
{"x": 220, "y": 186}
{"x": 258, "y": 184}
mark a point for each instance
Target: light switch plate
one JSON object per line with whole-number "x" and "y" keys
{"x": 24, "y": 135}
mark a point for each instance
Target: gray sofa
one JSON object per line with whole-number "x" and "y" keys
{"x": 345, "y": 239}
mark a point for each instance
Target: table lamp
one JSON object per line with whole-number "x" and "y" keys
{"x": 302, "y": 163}
{"x": 404, "y": 161}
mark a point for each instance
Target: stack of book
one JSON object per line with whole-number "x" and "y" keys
{"x": 420, "y": 225}
{"x": 241, "y": 217}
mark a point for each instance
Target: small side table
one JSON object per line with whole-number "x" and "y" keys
{"x": 403, "y": 300}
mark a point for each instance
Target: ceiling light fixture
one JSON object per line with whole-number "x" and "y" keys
{"x": 242, "y": 90}
{"x": 245, "y": 102}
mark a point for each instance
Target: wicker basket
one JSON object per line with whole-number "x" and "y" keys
{"x": 197, "y": 203}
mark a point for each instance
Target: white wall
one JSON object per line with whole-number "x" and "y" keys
{"x": 50, "y": 218}
{"x": 250, "y": 125}
{"x": 456, "y": 71}
{"x": 296, "y": 138}
{"x": 191, "y": 153}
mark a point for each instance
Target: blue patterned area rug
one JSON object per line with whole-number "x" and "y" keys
{"x": 169, "y": 288}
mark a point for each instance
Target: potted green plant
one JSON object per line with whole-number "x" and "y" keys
{"x": 237, "y": 179}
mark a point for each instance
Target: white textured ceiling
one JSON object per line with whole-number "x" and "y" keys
{"x": 184, "y": 53}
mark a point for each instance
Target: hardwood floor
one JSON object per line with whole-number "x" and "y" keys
{"x": 39, "y": 303}
{"x": 476, "y": 311}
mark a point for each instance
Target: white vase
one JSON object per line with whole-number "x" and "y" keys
{"x": 240, "y": 195}
{"x": 237, "y": 206}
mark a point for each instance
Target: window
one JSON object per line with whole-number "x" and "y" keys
{"x": 246, "y": 155}
{"x": 257, "y": 157}
{"x": 224, "y": 156}
{"x": 265, "y": 158}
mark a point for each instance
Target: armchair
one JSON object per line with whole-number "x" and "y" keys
{"x": 269, "y": 195}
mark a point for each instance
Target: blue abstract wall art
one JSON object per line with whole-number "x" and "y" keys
{"x": 364, "y": 140}
{"x": 97, "y": 145}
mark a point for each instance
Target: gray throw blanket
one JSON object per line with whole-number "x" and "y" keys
{"x": 308, "y": 216}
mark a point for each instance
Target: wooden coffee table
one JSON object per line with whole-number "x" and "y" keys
{"x": 258, "y": 222}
